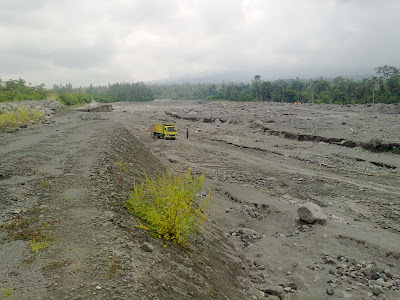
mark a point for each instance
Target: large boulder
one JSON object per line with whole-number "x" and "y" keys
{"x": 257, "y": 124}
{"x": 96, "y": 107}
{"x": 311, "y": 213}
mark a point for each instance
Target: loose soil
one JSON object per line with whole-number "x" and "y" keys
{"x": 62, "y": 186}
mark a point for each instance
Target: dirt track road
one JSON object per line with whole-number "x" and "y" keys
{"x": 47, "y": 190}
{"x": 60, "y": 183}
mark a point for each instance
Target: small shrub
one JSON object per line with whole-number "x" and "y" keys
{"x": 115, "y": 265}
{"x": 8, "y": 119}
{"x": 40, "y": 242}
{"x": 7, "y": 292}
{"x": 22, "y": 115}
{"x": 44, "y": 184}
{"x": 122, "y": 167}
{"x": 167, "y": 206}
{"x": 36, "y": 115}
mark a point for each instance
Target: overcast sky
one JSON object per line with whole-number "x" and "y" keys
{"x": 97, "y": 41}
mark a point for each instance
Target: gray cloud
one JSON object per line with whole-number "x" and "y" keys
{"x": 97, "y": 42}
{"x": 17, "y": 6}
{"x": 82, "y": 57}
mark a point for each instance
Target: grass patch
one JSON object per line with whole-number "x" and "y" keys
{"x": 36, "y": 115}
{"x": 8, "y": 119}
{"x": 6, "y": 292}
{"x": 57, "y": 264}
{"x": 30, "y": 229}
{"x": 115, "y": 266}
{"x": 44, "y": 183}
{"x": 168, "y": 207}
{"x": 21, "y": 116}
{"x": 22, "y": 228}
{"x": 40, "y": 242}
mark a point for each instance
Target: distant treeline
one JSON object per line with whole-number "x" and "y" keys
{"x": 15, "y": 90}
{"x": 383, "y": 88}
{"x": 12, "y": 90}
{"x": 116, "y": 92}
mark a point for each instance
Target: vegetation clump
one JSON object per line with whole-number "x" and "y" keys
{"x": 8, "y": 119}
{"x": 30, "y": 229}
{"x": 6, "y": 292}
{"x": 57, "y": 264}
{"x": 74, "y": 99}
{"x": 116, "y": 92}
{"x": 16, "y": 90}
{"x": 168, "y": 207}
{"x": 40, "y": 242}
{"x": 20, "y": 117}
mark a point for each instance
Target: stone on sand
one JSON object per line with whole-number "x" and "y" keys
{"x": 311, "y": 213}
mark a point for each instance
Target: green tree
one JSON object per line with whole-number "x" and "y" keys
{"x": 256, "y": 88}
{"x": 387, "y": 71}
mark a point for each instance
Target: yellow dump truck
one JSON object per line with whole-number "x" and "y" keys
{"x": 164, "y": 131}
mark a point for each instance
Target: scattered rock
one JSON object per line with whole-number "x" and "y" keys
{"x": 311, "y": 213}
{"x": 257, "y": 124}
{"x": 109, "y": 215}
{"x": 256, "y": 292}
{"x": 287, "y": 289}
{"x": 332, "y": 284}
{"x": 147, "y": 247}
{"x": 296, "y": 283}
{"x": 377, "y": 290}
{"x": 387, "y": 284}
{"x": 375, "y": 276}
{"x": 375, "y": 142}
{"x": 347, "y": 296}
{"x": 292, "y": 285}
{"x": 249, "y": 210}
{"x": 330, "y": 291}
{"x": 271, "y": 289}
{"x": 247, "y": 235}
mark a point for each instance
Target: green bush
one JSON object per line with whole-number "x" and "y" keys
{"x": 168, "y": 207}
{"x": 84, "y": 98}
{"x": 74, "y": 99}
{"x": 21, "y": 116}
{"x": 36, "y": 115}
{"x": 8, "y": 119}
